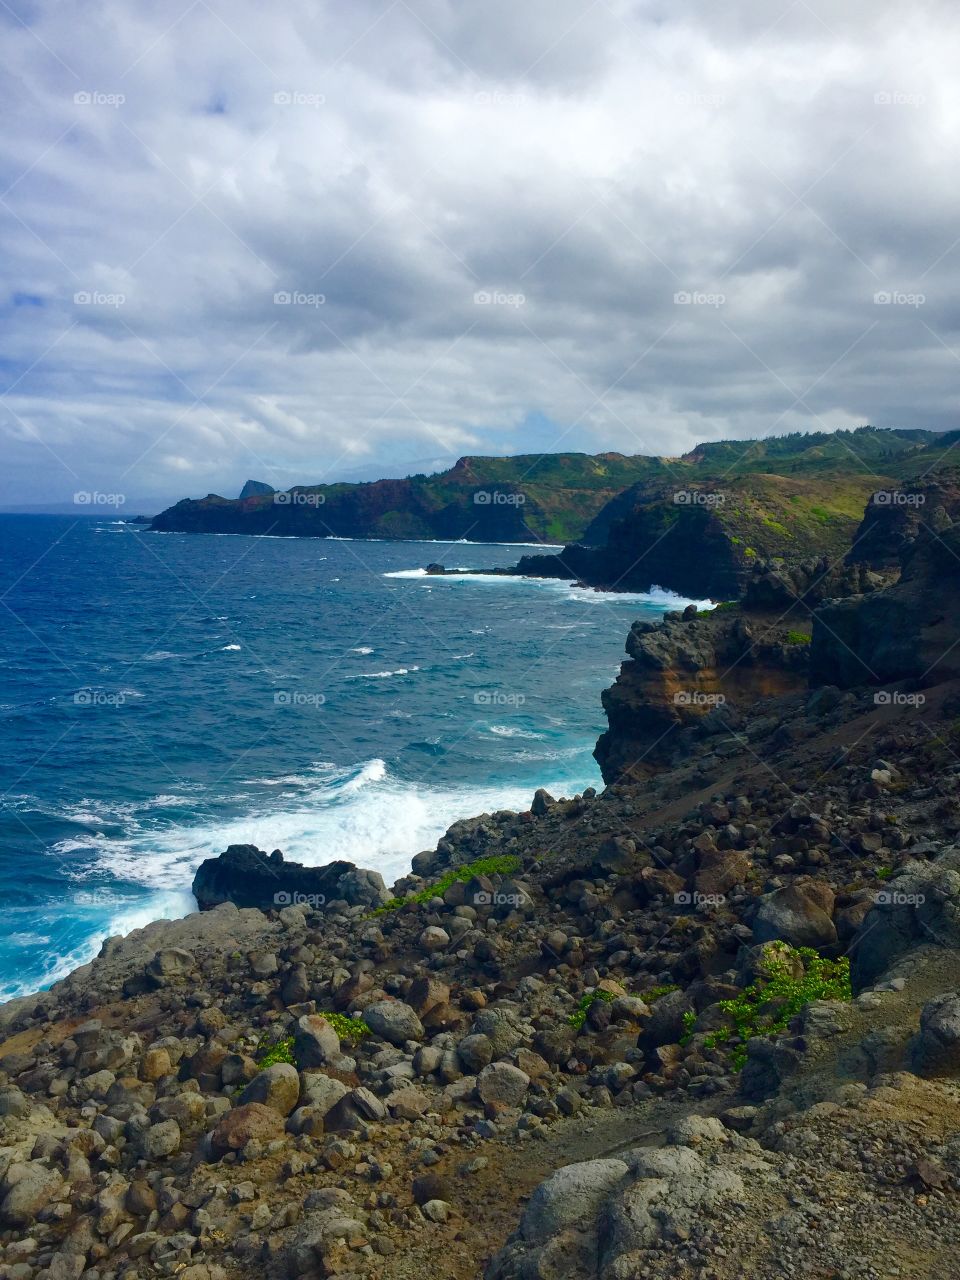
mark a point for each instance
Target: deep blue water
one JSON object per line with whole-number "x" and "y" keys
{"x": 165, "y": 695}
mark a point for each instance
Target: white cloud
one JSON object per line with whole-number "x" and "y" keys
{"x": 383, "y": 164}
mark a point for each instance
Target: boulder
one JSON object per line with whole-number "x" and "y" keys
{"x": 798, "y": 914}
{"x": 393, "y": 1021}
{"x": 242, "y": 1124}
{"x": 315, "y": 1042}
{"x": 277, "y": 1087}
{"x": 247, "y": 876}
{"x": 935, "y": 1050}
{"x": 26, "y": 1189}
{"x": 503, "y": 1083}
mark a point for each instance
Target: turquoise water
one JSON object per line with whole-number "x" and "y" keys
{"x": 165, "y": 695}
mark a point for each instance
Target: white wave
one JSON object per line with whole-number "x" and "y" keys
{"x": 364, "y": 649}
{"x": 511, "y": 731}
{"x": 161, "y": 655}
{"x": 381, "y": 675}
{"x": 230, "y": 648}
{"x": 364, "y": 815}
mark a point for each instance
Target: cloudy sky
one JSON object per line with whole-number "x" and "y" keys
{"x": 316, "y": 241}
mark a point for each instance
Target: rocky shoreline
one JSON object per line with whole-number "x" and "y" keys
{"x": 701, "y": 1024}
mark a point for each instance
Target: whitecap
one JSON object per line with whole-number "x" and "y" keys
{"x": 382, "y": 675}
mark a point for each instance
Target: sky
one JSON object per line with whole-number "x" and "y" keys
{"x": 316, "y": 241}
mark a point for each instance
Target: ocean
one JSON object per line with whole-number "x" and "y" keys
{"x": 165, "y": 695}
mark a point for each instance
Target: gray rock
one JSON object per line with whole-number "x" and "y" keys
{"x": 277, "y": 1087}
{"x": 315, "y": 1043}
{"x": 935, "y": 1050}
{"x": 503, "y": 1083}
{"x": 798, "y": 914}
{"x": 26, "y": 1188}
{"x": 475, "y": 1052}
{"x": 355, "y": 1109}
{"x": 393, "y": 1021}
{"x": 571, "y": 1197}
{"x": 160, "y": 1140}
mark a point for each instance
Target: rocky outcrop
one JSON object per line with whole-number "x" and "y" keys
{"x": 255, "y": 489}
{"x": 248, "y": 877}
{"x": 690, "y": 678}
{"x": 895, "y": 518}
{"x": 907, "y": 632}
{"x": 776, "y": 586}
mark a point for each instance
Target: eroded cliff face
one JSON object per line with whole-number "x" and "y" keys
{"x": 895, "y": 518}
{"x": 907, "y": 632}
{"x": 691, "y": 679}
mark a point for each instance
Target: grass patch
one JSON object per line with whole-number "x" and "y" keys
{"x": 268, "y": 1054}
{"x": 767, "y": 1005}
{"x": 797, "y": 637}
{"x": 503, "y": 864}
{"x": 579, "y": 1015}
{"x": 352, "y": 1030}
{"x": 655, "y": 993}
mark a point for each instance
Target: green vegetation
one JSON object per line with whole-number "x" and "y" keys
{"x": 655, "y": 993}
{"x": 797, "y": 637}
{"x": 796, "y": 495}
{"x": 767, "y": 1005}
{"x": 270, "y": 1052}
{"x": 579, "y": 1015}
{"x": 500, "y": 864}
{"x": 688, "y": 1019}
{"x": 352, "y": 1030}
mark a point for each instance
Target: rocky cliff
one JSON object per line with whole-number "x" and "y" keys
{"x": 907, "y": 633}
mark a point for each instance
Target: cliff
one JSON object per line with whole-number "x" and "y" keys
{"x": 796, "y": 495}
{"x": 522, "y": 499}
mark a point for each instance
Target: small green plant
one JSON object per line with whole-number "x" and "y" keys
{"x": 656, "y": 992}
{"x": 767, "y": 1005}
{"x": 352, "y": 1030}
{"x": 688, "y": 1019}
{"x": 503, "y": 864}
{"x": 797, "y": 637}
{"x": 725, "y": 605}
{"x": 579, "y": 1015}
{"x": 884, "y": 873}
{"x": 269, "y": 1053}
